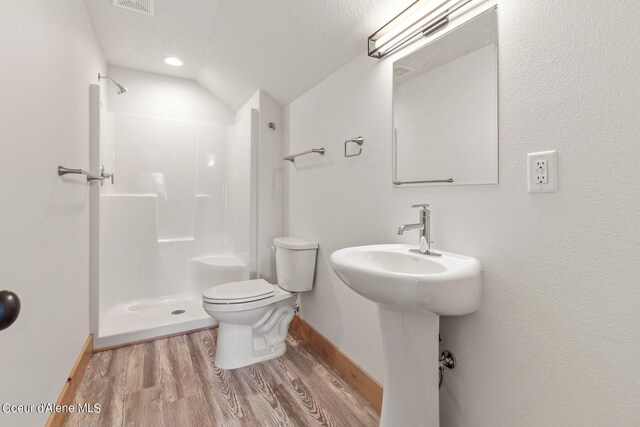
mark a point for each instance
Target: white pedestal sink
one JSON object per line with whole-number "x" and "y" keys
{"x": 412, "y": 291}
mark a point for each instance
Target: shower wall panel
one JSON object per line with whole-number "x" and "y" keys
{"x": 167, "y": 205}
{"x": 156, "y": 156}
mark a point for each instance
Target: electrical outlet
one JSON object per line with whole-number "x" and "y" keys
{"x": 542, "y": 171}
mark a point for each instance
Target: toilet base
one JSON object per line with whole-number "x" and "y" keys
{"x": 241, "y": 345}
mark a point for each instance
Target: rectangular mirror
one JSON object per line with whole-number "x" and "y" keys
{"x": 445, "y": 108}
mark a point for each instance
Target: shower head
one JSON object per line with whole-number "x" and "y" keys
{"x": 119, "y": 88}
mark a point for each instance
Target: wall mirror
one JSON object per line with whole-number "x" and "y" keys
{"x": 445, "y": 108}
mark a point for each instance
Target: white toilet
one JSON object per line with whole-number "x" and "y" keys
{"x": 254, "y": 315}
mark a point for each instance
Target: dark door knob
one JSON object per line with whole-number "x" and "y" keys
{"x": 9, "y": 308}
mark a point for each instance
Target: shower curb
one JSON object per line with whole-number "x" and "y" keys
{"x": 151, "y": 339}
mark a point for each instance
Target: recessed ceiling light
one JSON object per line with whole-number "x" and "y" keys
{"x": 172, "y": 60}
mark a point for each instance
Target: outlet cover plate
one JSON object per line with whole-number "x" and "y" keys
{"x": 549, "y": 161}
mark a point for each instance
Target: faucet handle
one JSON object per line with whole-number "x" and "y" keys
{"x": 421, "y": 206}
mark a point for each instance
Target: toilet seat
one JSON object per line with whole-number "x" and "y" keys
{"x": 239, "y": 292}
{"x": 227, "y": 306}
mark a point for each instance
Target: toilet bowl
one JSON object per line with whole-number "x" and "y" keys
{"x": 254, "y": 315}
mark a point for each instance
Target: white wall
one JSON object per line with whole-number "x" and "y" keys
{"x": 50, "y": 56}
{"x": 556, "y": 341}
{"x": 255, "y": 165}
{"x": 270, "y": 184}
{"x": 242, "y": 183}
{"x": 156, "y": 95}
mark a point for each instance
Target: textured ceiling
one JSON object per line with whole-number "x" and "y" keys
{"x": 233, "y": 47}
{"x": 179, "y": 28}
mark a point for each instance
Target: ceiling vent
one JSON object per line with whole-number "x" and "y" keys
{"x": 142, "y": 6}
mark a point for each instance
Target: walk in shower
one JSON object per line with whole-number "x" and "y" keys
{"x": 175, "y": 220}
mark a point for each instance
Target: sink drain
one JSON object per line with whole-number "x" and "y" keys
{"x": 177, "y": 312}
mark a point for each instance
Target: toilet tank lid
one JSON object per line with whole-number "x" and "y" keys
{"x": 294, "y": 243}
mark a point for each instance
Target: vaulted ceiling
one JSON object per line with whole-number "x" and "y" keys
{"x": 234, "y": 47}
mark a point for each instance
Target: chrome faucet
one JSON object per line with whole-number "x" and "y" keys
{"x": 425, "y": 230}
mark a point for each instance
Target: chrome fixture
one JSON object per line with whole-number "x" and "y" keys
{"x": 446, "y": 360}
{"x": 62, "y": 171}
{"x": 119, "y": 88}
{"x": 420, "y": 19}
{"x": 422, "y": 182}
{"x": 105, "y": 175}
{"x": 292, "y": 157}
{"x": 358, "y": 140}
{"x": 272, "y": 125}
{"x": 425, "y": 230}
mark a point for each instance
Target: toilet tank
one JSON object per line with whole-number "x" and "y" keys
{"x": 295, "y": 263}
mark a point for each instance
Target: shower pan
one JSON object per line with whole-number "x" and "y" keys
{"x": 174, "y": 222}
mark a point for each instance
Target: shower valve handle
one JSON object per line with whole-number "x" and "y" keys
{"x": 106, "y": 175}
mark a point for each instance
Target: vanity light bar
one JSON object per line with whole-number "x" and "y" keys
{"x": 422, "y": 18}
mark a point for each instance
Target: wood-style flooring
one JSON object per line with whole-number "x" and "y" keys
{"x": 174, "y": 382}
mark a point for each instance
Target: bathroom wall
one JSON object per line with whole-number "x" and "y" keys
{"x": 50, "y": 56}
{"x": 270, "y": 152}
{"x": 264, "y": 210}
{"x": 556, "y": 340}
{"x": 166, "y": 97}
{"x": 242, "y": 183}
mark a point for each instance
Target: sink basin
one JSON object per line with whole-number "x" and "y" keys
{"x": 412, "y": 291}
{"x": 400, "y": 276}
